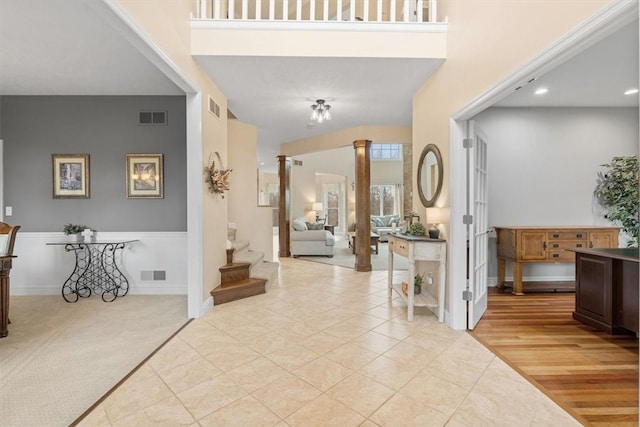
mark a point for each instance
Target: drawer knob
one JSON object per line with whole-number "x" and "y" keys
{"x": 555, "y": 245}
{"x": 556, "y": 255}
{"x": 556, "y": 235}
{"x": 579, "y": 235}
{"x": 579, "y": 245}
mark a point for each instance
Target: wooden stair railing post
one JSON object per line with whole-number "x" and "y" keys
{"x": 363, "y": 206}
{"x": 284, "y": 175}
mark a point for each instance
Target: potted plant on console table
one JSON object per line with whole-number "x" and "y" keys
{"x": 74, "y": 232}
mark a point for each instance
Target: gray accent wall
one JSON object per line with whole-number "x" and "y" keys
{"x": 106, "y": 128}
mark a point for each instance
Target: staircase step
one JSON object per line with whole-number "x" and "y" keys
{"x": 252, "y": 257}
{"x": 240, "y": 245}
{"x": 234, "y": 272}
{"x": 237, "y": 290}
{"x": 267, "y": 271}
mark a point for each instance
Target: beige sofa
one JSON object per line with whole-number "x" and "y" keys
{"x": 310, "y": 242}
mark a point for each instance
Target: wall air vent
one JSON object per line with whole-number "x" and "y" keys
{"x": 214, "y": 108}
{"x": 152, "y": 118}
{"x": 153, "y": 275}
{"x": 297, "y": 163}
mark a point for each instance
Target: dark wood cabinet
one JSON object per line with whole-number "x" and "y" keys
{"x": 607, "y": 289}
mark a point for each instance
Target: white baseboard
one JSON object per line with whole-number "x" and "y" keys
{"x": 207, "y": 305}
{"x": 493, "y": 280}
{"x": 38, "y": 291}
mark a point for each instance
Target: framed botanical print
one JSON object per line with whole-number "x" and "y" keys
{"x": 145, "y": 177}
{"x": 70, "y": 176}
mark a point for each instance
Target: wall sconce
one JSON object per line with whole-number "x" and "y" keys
{"x": 317, "y": 207}
{"x": 435, "y": 217}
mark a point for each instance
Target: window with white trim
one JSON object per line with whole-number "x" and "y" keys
{"x": 383, "y": 199}
{"x": 385, "y": 152}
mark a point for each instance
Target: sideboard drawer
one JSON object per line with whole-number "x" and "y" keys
{"x": 568, "y": 235}
{"x": 560, "y": 256}
{"x": 567, "y": 244}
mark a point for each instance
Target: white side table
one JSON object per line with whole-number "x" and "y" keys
{"x": 417, "y": 248}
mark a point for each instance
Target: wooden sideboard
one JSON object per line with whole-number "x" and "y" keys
{"x": 607, "y": 289}
{"x": 545, "y": 245}
{"x": 416, "y": 248}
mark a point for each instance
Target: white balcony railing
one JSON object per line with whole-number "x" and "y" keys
{"x": 318, "y": 10}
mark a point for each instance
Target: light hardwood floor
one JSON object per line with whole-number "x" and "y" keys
{"x": 591, "y": 374}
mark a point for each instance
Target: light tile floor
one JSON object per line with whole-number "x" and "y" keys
{"x": 325, "y": 347}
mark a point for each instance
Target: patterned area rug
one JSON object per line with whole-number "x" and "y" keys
{"x": 60, "y": 358}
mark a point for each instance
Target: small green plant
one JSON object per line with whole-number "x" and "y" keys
{"x": 418, "y": 279}
{"x": 617, "y": 191}
{"x": 73, "y": 228}
{"x": 417, "y": 229}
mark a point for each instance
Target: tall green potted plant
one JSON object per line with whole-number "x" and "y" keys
{"x": 617, "y": 191}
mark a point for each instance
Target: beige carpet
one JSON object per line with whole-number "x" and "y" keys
{"x": 60, "y": 358}
{"x": 343, "y": 257}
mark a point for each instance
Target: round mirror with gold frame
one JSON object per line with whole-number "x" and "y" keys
{"x": 430, "y": 175}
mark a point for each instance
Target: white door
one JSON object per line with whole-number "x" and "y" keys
{"x": 477, "y": 228}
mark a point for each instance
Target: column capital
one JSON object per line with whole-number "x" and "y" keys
{"x": 359, "y": 143}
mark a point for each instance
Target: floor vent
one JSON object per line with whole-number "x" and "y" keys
{"x": 297, "y": 163}
{"x": 152, "y": 118}
{"x": 214, "y": 108}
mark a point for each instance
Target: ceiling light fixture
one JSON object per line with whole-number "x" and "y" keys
{"x": 320, "y": 111}
{"x": 541, "y": 91}
{"x": 631, "y": 91}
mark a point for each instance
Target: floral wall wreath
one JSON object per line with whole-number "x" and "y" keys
{"x": 218, "y": 179}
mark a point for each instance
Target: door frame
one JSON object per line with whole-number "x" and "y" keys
{"x": 607, "y": 20}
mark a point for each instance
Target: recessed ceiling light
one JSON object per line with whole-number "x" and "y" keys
{"x": 261, "y": 163}
{"x": 631, "y": 91}
{"x": 541, "y": 91}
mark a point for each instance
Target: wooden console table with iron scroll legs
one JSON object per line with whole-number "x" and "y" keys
{"x": 5, "y": 267}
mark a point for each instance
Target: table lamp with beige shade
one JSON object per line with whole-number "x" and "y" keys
{"x": 318, "y": 208}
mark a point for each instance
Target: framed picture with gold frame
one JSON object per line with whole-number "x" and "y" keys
{"x": 145, "y": 176}
{"x": 70, "y": 176}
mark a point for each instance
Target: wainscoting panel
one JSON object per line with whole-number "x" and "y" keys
{"x": 41, "y": 269}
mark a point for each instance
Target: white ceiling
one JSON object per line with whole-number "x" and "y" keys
{"x": 596, "y": 77}
{"x": 276, "y": 94}
{"x": 67, "y": 47}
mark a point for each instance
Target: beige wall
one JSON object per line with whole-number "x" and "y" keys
{"x": 345, "y": 138}
{"x": 304, "y": 189}
{"x": 386, "y": 172}
{"x": 329, "y": 43}
{"x": 253, "y": 223}
{"x": 167, "y": 23}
